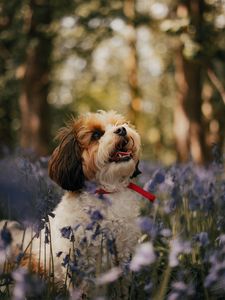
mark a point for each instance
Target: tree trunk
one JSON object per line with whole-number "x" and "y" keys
{"x": 9, "y": 92}
{"x": 188, "y": 124}
{"x": 132, "y": 63}
{"x": 35, "y": 122}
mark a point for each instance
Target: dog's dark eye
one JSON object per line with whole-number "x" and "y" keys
{"x": 96, "y": 135}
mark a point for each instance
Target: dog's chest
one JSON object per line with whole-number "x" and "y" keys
{"x": 78, "y": 209}
{"x": 119, "y": 213}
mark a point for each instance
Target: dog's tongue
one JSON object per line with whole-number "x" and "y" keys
{"x": 122, "y": 153}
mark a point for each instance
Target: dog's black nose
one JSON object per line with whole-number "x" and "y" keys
{"x": 121, "y": 131}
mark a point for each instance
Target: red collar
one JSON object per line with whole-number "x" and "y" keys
{"x": 133, "y": 187}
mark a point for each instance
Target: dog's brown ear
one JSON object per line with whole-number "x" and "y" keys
{"x": 136, "y": 171}
{"x": 65, "y": 165}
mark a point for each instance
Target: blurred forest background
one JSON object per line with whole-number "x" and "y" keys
{"x": 161, "y": 63}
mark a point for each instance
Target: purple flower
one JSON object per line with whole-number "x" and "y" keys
{"x": 5, "y": 237}
{"x": 144, "y": 256}
{"x": 202, "y": 238}
{"x": 96, "y": 215}
{"x": 26, "y": 285}
{"x": 221, "y": 240}
{"x": 216, "y": 277}
{"x": 176, "y": 195}
{"x": 110, "y": 276}
{"x": 111, "y": 245}
{"x": 159, "y": 177}
{"x": 147, "y": 225}
{"x": 66, "y": 260}
{"x": 66, "y": 232}
{"x": 97, "y": 232}
{"x": 181, "y": 290}
{"x": 90, "y": 226}
{"x": 178, "y": 247}
{"x": 19, "y": 257}
{"x": 166, "y": 232}
{"x": 78, "y": 252}
{"x": 194, "y": 202}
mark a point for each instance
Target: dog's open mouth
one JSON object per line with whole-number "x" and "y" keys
{"x": 120, "y": 156}
{"x": 121, "y": 153}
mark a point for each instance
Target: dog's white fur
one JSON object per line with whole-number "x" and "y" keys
{"x": 121, "y": 208}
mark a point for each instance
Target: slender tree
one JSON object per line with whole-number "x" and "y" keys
{"x": 134, "y": 106}
{"x": 35, "y": 122}
{"x": 9, "y": 87}
{"x": 188, "y": 123}
{"x": 199, "y": 59}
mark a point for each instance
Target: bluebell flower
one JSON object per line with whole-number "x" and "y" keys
{"x": 66, "y": 232}
{"x": 208, "y": 204}
{"x": 144, "y": 256}
{"x": 150, "y": 186}
{"x": 177, "y": 247}
{"x": 220, "y": 223}
{"x": 5, "y": 237}
{"x": 176, "y": 195}
{"x": 90, "y": 186}
{"x": 97, "y": 232}
{"x": 96, "y": 215}
{"x": 19, "y": 257}
{"x": 74, "y": 268}
{"x": 194, "y": 202}
{"x": 149, "y": 226}
{"x": 111, "y": 245}
{"x": 110, "y": 276}
{"x": 90, "y": 226}
{"x": 202, "y": 238}
{"x": 26, "y": 285}
{"x": 221, "y": 240}
{"x": 78, "y": 252}
{"x": 159, "y": 177}
{"x": 181, "y": 290}
{"x": 166, "y": 232}
{"x": 66, "y": 260}
{"x": 216, "y": 278}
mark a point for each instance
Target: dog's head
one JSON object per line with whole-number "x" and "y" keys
{"x": 100, "y": 146}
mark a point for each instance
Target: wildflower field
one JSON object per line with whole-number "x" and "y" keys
{"x": 181, "y": 254}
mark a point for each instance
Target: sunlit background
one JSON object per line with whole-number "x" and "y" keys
{"x": 161, "y": 63}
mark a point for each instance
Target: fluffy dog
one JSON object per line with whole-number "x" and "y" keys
{"x": 102, "y": 148}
